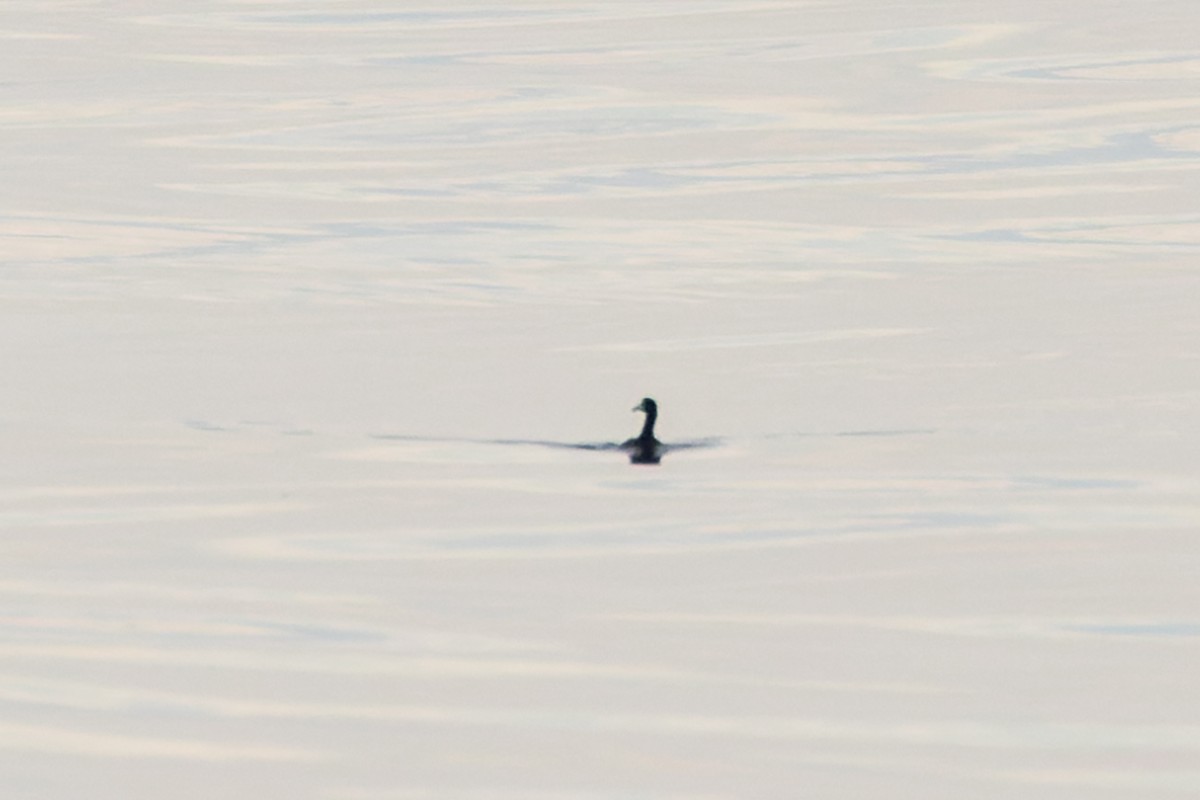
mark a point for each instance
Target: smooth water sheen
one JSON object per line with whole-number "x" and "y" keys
{"x": 288, "y": 289}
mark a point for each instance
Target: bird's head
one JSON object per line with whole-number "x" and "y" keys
{"x": 647, "y": 405}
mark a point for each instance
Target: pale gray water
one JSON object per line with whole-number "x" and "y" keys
{"x": 276, "y": 277}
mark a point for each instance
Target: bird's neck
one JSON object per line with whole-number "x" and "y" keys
{"x": 648, "y": 426}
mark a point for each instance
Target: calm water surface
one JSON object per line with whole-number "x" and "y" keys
{"x": 279, "y": 279}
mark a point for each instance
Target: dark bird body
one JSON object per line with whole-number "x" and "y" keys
{"x": 644, "y": 448}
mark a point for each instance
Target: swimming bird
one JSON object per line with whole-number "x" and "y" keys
{"x": 642, "y": 449}
{"x": 645, "y": 449}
